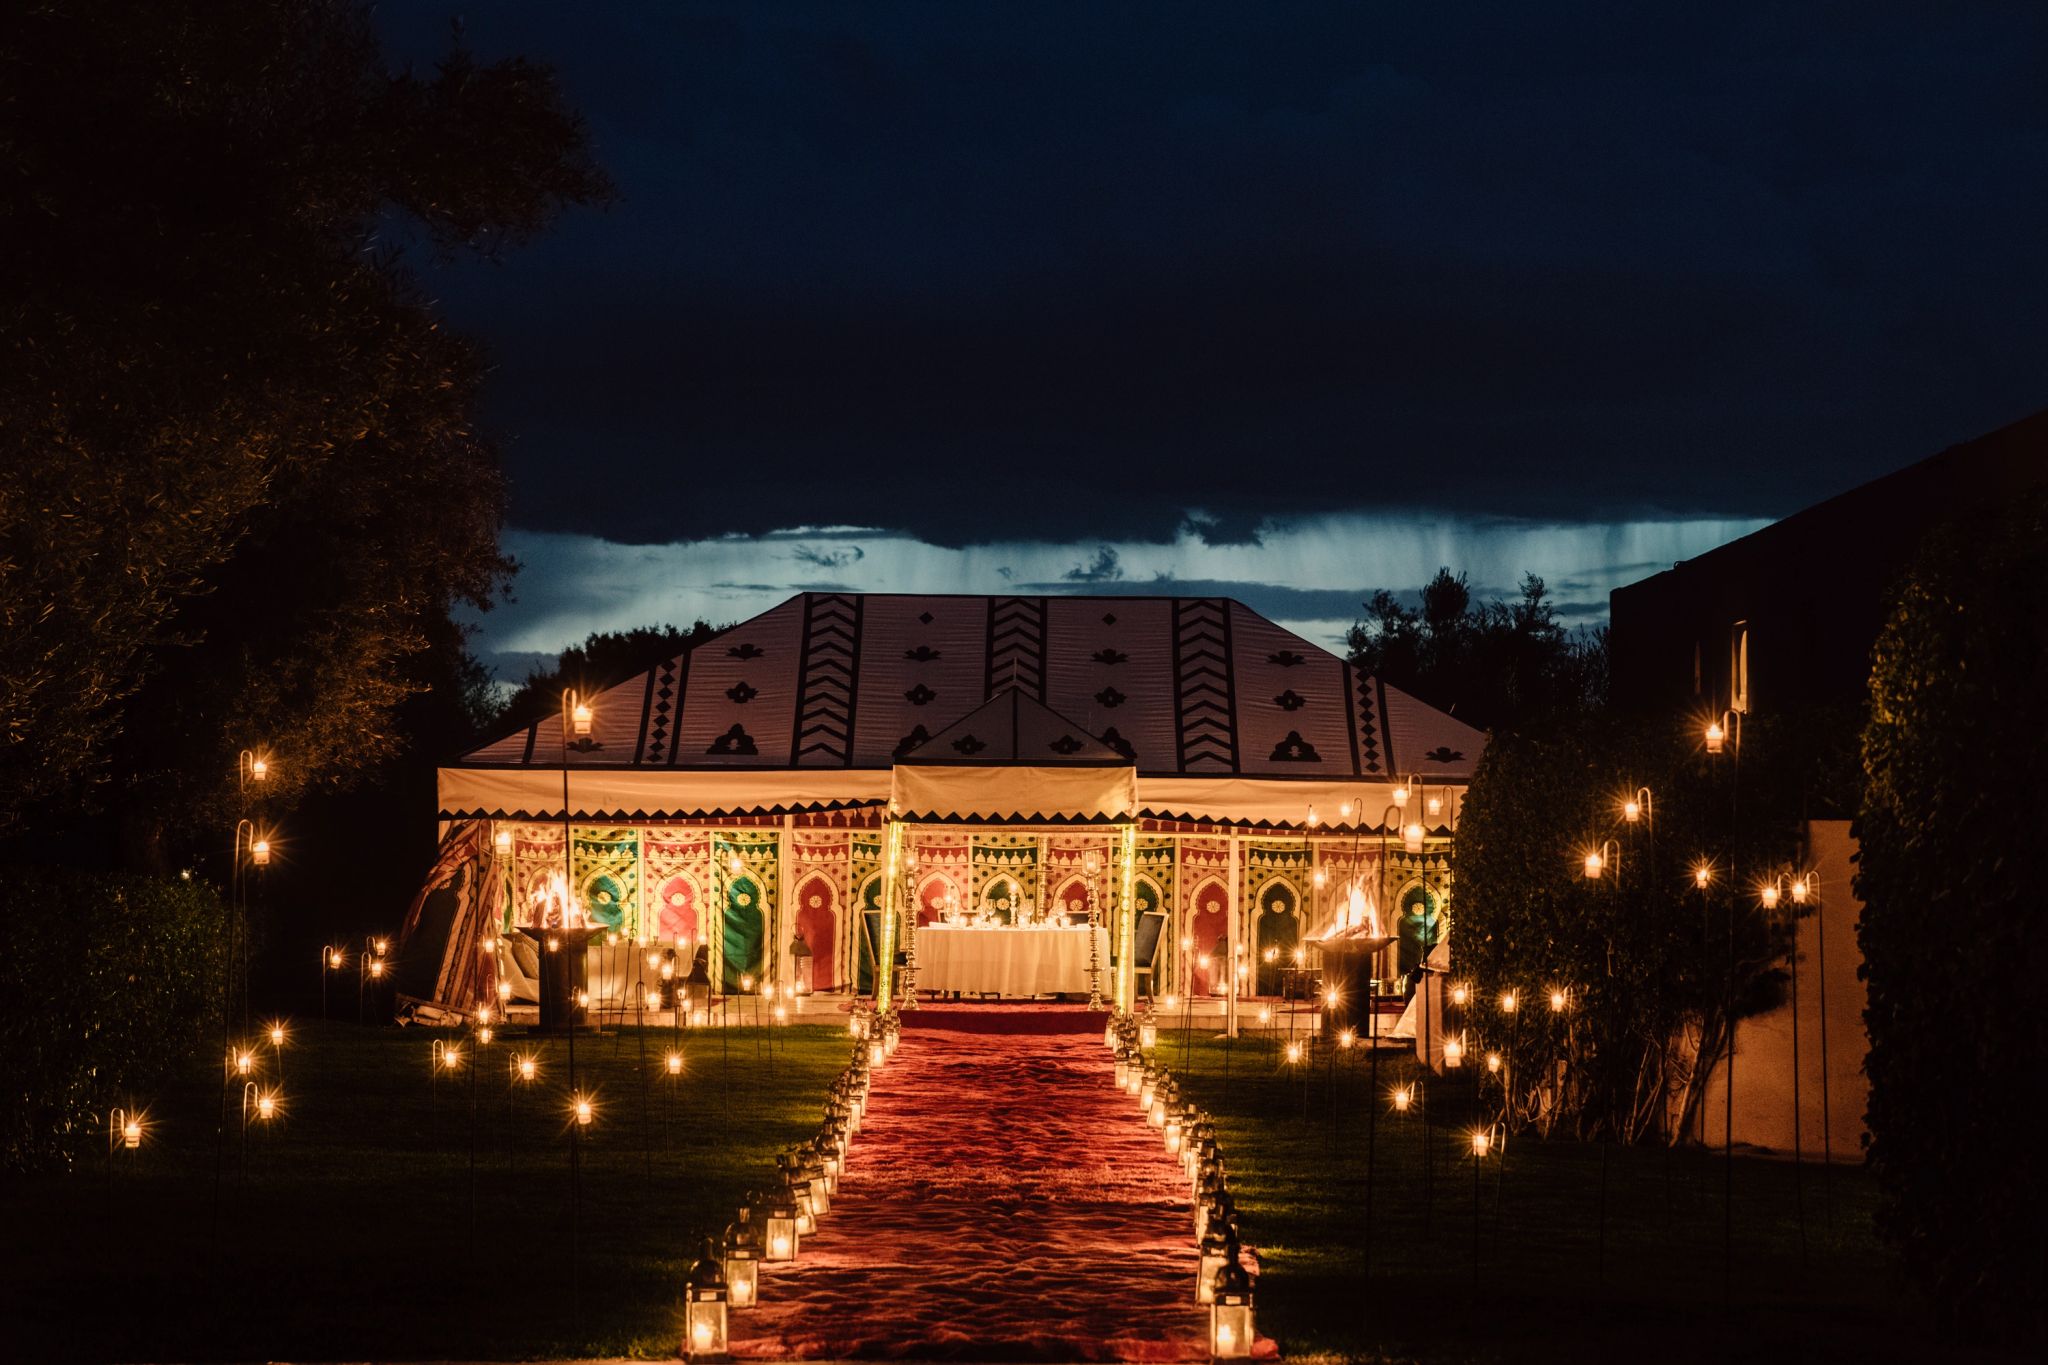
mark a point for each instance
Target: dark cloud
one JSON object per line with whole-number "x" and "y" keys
{"x": 1104, "y": 568}
{"x": 1051, "y": 271}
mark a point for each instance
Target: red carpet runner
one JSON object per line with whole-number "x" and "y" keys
{"x": 1003, "y": 1202}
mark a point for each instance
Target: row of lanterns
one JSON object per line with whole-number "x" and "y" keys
{"x": 1221, "y": 1284}
{"x": 727, "y": 1275}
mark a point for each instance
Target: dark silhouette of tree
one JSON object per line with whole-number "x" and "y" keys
{"x": 240, "y": 482}
{"x": 1950, "y": 872}
{"x": 606, "y": 658}
{"x": 1496, "y": 665}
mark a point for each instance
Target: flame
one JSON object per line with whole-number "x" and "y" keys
{"x": 553, "y": 906}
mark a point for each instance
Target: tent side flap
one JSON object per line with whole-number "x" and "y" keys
{"x": 654, "y": 794}
{"x": 1013, "y": 792}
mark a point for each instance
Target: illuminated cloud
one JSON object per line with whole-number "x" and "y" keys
{"x": 1310, "y": 574}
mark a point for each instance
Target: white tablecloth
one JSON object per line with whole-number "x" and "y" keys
{"x": 1021, "y": 961}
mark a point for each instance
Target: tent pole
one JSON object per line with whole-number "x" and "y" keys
{"x": 1235, "y": 936}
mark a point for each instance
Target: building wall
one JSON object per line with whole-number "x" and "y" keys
{"x": 1832, "y": 1091}
{"x": 1811, "y": 588}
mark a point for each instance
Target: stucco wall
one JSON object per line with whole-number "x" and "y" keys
{"x": 1764, "y": 1087}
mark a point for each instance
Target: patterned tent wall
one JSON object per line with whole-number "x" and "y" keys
{"x": 1276, "y": 882}
{"x": 865, "y": 938}
{"x": 821, "y": 912}
{"x": 1006, "y": 872}
{"x": 1153, "y": 889}
{"x": 1418, "y": 905}
{"x": 748, "y": 903}
{"x": 440, "y": 961}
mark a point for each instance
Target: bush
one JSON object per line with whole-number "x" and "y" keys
{"x": 112, "y": 980}
{"x": 1642, "y": 953}
{"x": 1955, "y": 760}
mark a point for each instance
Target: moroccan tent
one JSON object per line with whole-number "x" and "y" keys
{"x": 799, "y": 792}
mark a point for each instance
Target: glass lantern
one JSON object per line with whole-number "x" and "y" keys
{"x": 810, "y": 1169}
{"x": 1173, "y": 1134}
{"x": 1123, "y": 1068}
{"x": 780, "y": 1239}
{"x": 1148, "y": 1082}
{"x": 743, "y": 1260}
{"x": 1218, "y": 1247}
{"x": 704, "y": 1302}
{"x": 1148, "y": 1035}
{"x": 1230, "y": 1313}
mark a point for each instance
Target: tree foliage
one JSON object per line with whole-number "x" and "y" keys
{"x": 124, "y": 973}
{"x": 1494, "y": 665}
{"x": 1643, "y": 956}
{"x": 1953, "y": 862}
{"x": 240, "y": 484}
{"x": 606, "y": 658}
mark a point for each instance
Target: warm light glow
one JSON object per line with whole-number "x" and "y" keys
{"x": 653, "y": 999}
{"x": 579, "y": 719}
{"x": 1481, "y": 1141}
{"x": 746, "y": 981}
{"x": 1701, "y": 875}
{"x": 1265, "y": 1014}
{"x": 451, "y": 1056}
{"x": 1401, "y": 796}
{"x": 1769, "y": 894}
{"x": 1595, "y": 865}
{"x": 1226, "y": 1337}
{"x": 277, "y": 1035}
{"x": 700, "y": 1333}
{"x": 654, "y": 959}
{"x": 259, "y": 853}
{"x": 1300, "y": 955}
{"x": 381, "y": 945}
{"x": 483, "y": 1035}
{"x": 266, "y": 1106}
{"x": 131, "y": 1133}
{"x": 1631, "y": 810}
{"x": 503, "y": 839}
{"x": 584, "y": 1112}
{"x": 1507, "y": 1002}
{"x": 778, "y": 1246}
{"x": 1493, "y": 1061}
{"x": 1402, "y": 1097}
{"x": 1330, "y": 997}
{"x": 1313, "y": 818}
{"x": 782, "y": 1014}
{"x": 1800, "y": 890}
{"x": 376, "y": 966}
{"x": 554, "y": 943}
{"x": 490, "y": 944}
{"x": 1454, "y": 1052}
{"x": 1171, "y": 1002}
{"x": 483, "y": 1014}
{"x": 1294, "y": 1052}
{"x": 1346, "y": 1037}
{"x": 733, "y": 864}
{"x": 583, "y": 1000}
{"x": 1271, "y": 955}
{"x": 1715, "y": 736}
{"x": 528, "y": 1068}
{"x": 504, "y": 990}
{"x": 1411, "y": 838}
{"x": 1434, "y": 805}
{"x": 1321, "y": 878}
{"x": 243, "y": 1061}
{"x": 674, "y": 1062}
{"x": 1460, "y": 994}
{"x": 334, "y": 958}
{"x": 1344, "y": 810}
{"x": 1557, "y": 1001}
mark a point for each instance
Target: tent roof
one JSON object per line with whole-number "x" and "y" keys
{"x": 1010, "y": 729}
{"x": 1183, "y": 687}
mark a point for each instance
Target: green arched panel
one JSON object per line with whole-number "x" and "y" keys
{"x": 746, "y": 930}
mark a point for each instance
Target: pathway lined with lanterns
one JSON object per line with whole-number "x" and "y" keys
{"x": 1003, "y": 1201}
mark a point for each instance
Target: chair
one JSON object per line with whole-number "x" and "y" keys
{"x": 1145, "y": 948}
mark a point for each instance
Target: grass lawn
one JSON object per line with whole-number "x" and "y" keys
{"x": 350, "y": 1234}
{"x": 1531, "y": 1286}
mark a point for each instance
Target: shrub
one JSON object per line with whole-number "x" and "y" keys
{"x": 1955, "y": 760}
{"x": 111, "y": 981}
{"x": 1643, "y": 955}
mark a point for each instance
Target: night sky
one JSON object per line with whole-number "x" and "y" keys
{"x": 1284, "y": 301}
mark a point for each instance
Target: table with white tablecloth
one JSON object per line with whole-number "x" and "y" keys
{"x": 1020, "y": 960}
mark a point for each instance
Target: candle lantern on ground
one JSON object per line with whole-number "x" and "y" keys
{"x": 1123, "y": 1068}
{"x": 1218, "y": 1247}
{"x": 779, "y": 1230}
{"x": 812, "y": 1171}
{"x": 705, "y": 1299}
{"x": 1230, "y": 1313}
{"x": 743, "y": 1259}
